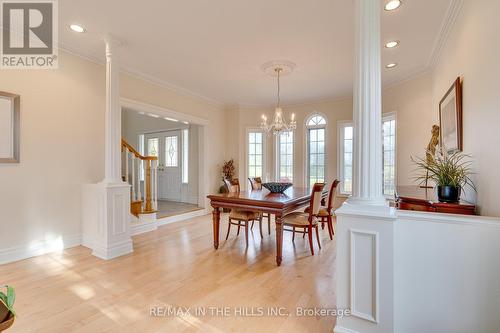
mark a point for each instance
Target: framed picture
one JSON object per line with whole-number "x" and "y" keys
{"x": 9, "y": 127}
{"x": 450, "y": 118}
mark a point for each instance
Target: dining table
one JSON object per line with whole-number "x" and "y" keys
{"x": 263, "y": 201}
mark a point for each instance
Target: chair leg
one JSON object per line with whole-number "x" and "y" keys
{"x": 228, "y": 229}
{"x": 309, "y": 234}
{"x": 251, "y": 228}
{"x": 330, "y": 220}
{"x": 269, "y": 224}
{"x": 246, "y": 233}
{"x": 322, "y": 223}
{"x": 330, "y": 227}
{"x": 317, "y": 237}
{"x": 260, "y": 227}
{"x": 293, "y": 237}
{"x": 239, "y": 225}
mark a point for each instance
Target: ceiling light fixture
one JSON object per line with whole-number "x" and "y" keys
{"x": 279, "y": 124}
{"x": 392, "y": 44}
{"x": 391, "y": 65}
{"x": 185, "y": 122}
{"x": 153, "y": 115}
{"x": 170, "y": 119}
{"x": 392, "y": 4}
{"x": 77, "y": 28}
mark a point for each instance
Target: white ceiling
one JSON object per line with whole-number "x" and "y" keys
{"x": 214, "y": 48}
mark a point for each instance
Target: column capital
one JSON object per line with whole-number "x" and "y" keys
{"x": 112, "y": 43}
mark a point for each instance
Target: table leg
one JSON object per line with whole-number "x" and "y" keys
{"x": 279, "y": 239}
{"x": 216, "y": 224}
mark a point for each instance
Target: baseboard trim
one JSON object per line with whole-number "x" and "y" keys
{"x": 141, "y": 228}
{"x": 114, "y": 251}
{"x": 340, "y": 329}
{"x": 38, "y": 248}
{"x": 181, "y": 217}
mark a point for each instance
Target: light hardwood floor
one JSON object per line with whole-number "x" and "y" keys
{"x": 174, "y": 266}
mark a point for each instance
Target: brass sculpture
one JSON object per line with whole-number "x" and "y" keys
{"x": 431, "y": 150}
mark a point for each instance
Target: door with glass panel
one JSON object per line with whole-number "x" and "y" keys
{"x": 167, "y": 147}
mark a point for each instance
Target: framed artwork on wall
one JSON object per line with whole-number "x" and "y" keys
{"x": 450, "y": 118}
{"x": 9, "y": 127}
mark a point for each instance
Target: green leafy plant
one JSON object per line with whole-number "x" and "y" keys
{"x": 9, "y": 298}
{"x": 445, "y": 169}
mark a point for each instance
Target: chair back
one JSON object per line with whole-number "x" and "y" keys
{"x": 331, "y": 195}
{"x": 256, "y": 183}
{"x": 315, "y": 203}
{"x": 232, "y": 185}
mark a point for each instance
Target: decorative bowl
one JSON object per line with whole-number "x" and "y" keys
{"x": 276, "y": 187}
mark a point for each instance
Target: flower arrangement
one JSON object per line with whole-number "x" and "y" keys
{"x": 228, "y": 169}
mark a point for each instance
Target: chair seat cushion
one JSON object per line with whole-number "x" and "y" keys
{"x": 298, "y": 220}
{"x": 323, "y": 212}
{"x": 245, "y": 215}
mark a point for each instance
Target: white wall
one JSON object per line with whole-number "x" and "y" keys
{"x": 472, "y": 52}
{"x": 447, "y": 273}
{"x": 62, "y": 147}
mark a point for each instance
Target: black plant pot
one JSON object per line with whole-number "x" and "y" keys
{"x": 448, "y": 193}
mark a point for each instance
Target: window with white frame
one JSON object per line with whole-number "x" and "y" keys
{"x": 285, "y": 156}
{"x": 316, "y": 150}
{"x": 255, "y": 161}
{"x": 345, "y": 130}
{"x": 389, "y": 149}
{"x": 171, "y": 151}
{"x": 185, "y": 156}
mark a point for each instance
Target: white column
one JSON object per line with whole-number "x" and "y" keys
{"x": 367, "y": 157}
{"x": 106, "y": 212}
{"x": 365, "y": 223}
{"x": 112, "y": 144}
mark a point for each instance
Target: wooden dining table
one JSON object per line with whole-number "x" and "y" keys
{"x": 261, "y": 201}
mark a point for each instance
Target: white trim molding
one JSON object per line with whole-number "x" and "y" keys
{"x": 370, "y": 276}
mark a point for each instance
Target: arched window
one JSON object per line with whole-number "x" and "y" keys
{"x": 316, "y": 149}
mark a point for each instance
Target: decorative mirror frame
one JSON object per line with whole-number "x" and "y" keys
{"x": 15, "y": 120}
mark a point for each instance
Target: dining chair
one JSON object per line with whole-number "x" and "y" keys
{"x": 243, "y": 217}
{"x": 306, "y": 222}
{"x": 326, "y": 214}
{"x": 256, "y": 184}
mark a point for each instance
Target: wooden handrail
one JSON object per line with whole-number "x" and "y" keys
{"x": 136, "y": 153}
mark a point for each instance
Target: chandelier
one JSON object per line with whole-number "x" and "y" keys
{"x": 279, "y": 124}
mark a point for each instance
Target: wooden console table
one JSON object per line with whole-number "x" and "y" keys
{"x": 422, "y": 199}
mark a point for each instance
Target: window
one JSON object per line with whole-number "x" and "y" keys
{"x": 389, "y": 148}
{"x": 345, "y": 130}
{"x": 185, "y": 155}
{"x": 171, "y": 151}
{"x": 255, "y": 154}
{"x": 285, "y": 156}
{"x": 153, "y": 147}
{"x": 316, "y": 130}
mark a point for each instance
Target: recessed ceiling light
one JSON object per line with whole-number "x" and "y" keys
{"x": 77, "y": 28}
{"x": 153, "y": 115}
{"x": 392, "y": 44}
{"x": 185, "y": 122}
{"x": 392, "y": 4}
{"x": 391, "y": 65}
{"x": 170, "y": 119}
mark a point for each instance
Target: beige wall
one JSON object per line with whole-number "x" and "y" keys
{"x": 412, "y": 102}
{"x": 472, "y": 52}
{"x": 62, "y": 147}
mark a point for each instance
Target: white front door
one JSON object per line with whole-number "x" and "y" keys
{"x": 169, "y": 163}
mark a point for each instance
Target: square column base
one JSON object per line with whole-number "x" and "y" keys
{"x": 106, "y": 219}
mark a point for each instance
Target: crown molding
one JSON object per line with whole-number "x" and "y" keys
{"x": 447, "y": 25}
{"x": 145, "y": 77}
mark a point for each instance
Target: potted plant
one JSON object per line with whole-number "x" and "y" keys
{"x": 7, "y": 313}
{"x": 450, "y": 172}
{"x": 228, "y": 171}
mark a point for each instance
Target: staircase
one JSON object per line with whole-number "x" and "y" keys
{"x": 143, "y": 192}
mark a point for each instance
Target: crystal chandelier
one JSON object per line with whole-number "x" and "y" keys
{"x": 279, "y": 124}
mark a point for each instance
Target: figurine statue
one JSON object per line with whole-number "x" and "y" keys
{"x": 431, "y": 149}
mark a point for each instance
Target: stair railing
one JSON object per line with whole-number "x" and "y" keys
{"x": 143, "y": 200}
